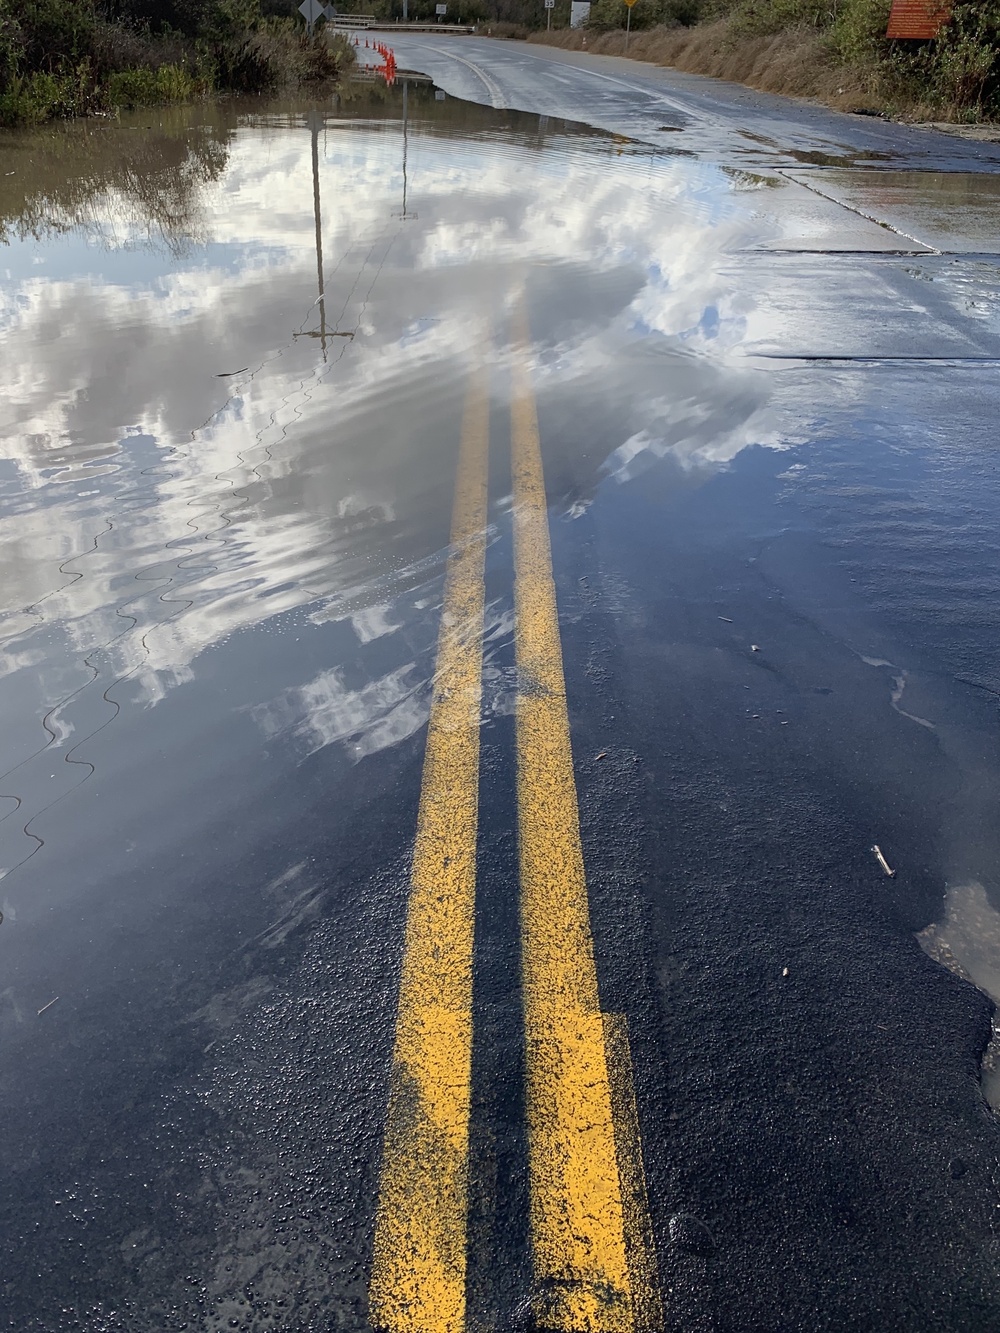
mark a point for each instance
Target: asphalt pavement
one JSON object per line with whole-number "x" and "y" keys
{"x": 727, "y": 121}
{"x": 490, "y": 559}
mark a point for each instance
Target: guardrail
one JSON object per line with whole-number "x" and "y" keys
{"x": 347, "y": 22}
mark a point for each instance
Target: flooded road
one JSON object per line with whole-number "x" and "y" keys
{"x": 476, "y": 589}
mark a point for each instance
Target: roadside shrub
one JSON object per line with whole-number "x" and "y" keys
{"x": 967, "y": 58}
{"x": 858, "y": 31}
{"x": 963, "y": 70}
{"x": 761, "y": 18}
{"x": 37, "y": 97}
{"x": 149, "y": 87}
{"x": 606, "y": 15}
{"x": 11, "y": 44}
{"x": 745, "y": 18}
{"x": 278, "y": 52}
{"x": 327, "y": 58}
{"x": 53, "y": 33}
{"x": 836, "y": 50}
{"x": 120, "y": 46}
{"x": 964, "y": 67}
{"x": 250, "y": 64}
{"x": 516, "y": 32}
{"x": 68, "y": 57}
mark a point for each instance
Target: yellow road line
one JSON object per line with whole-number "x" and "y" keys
{"x": 586, "y": 1279}
{"x": 640, "y": 1245}
{"x": 418, "y": 1270}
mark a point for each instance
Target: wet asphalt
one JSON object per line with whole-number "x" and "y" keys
{"x": 765, "y": 346}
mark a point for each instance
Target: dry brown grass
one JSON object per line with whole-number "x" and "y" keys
{"x": 797, "y": 62}
{"x": 495, "y": 28}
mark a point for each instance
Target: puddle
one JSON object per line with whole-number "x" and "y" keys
{"x": 921, "y": 205}
{"x": 175, "y": 337}
{"x": 235, "y": 341}
{"x": 967, "y": 942}
{"x": 815, "y": 158}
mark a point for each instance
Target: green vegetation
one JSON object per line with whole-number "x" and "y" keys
{"x": 418, "y": 11}
{"x": 78, "y": 57}
{"x": 73, "y": 57}
{"x": 833, "y": 49}
{"x": 959, "y": 70}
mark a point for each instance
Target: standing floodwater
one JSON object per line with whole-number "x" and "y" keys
{"x": 242, "y": 349}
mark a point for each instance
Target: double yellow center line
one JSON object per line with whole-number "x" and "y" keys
{"x": 418, "y": 1268}
{"x": 592, "y": 1252}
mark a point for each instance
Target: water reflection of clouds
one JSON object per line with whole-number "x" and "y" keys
{"x": 696, "y": 441}
{"x": 377, "y": 714}
{"x": 552, "y": 216}
{"x": 233, "y": 497}
{"x": 368, "y": 709}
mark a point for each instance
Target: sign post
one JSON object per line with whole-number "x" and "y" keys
{"x": 310, "y": 10}
{"x": 628, "y": 23}
{"x": 549, "y": 6}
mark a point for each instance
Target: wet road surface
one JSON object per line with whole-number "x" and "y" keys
{"x": 477, "y": 587}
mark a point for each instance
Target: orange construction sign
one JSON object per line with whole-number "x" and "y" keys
{"x": 919, "y": 20}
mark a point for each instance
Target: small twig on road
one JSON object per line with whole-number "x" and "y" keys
{"x": 883, "y": 862}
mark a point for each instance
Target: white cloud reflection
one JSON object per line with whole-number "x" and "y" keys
{"x": 180, "y": 465}
{"x": 378, "y": 714}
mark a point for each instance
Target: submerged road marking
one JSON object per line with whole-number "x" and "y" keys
{"x": 594, "y": 1265}
{"x": 418, "y": 1269}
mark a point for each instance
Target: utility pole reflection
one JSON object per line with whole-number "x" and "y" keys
{"x": 404, "y": 215}
{"x": 315, "y": 121}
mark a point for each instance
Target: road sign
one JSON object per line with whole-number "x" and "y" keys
{"x": 440, "y": 10}
{"x": 630, "y": 3}
{"x": 918, "y": 20}
{"x": 550, "y": 4}
{"x": 311, "y": 10}
{"x": 330, "y": 12}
